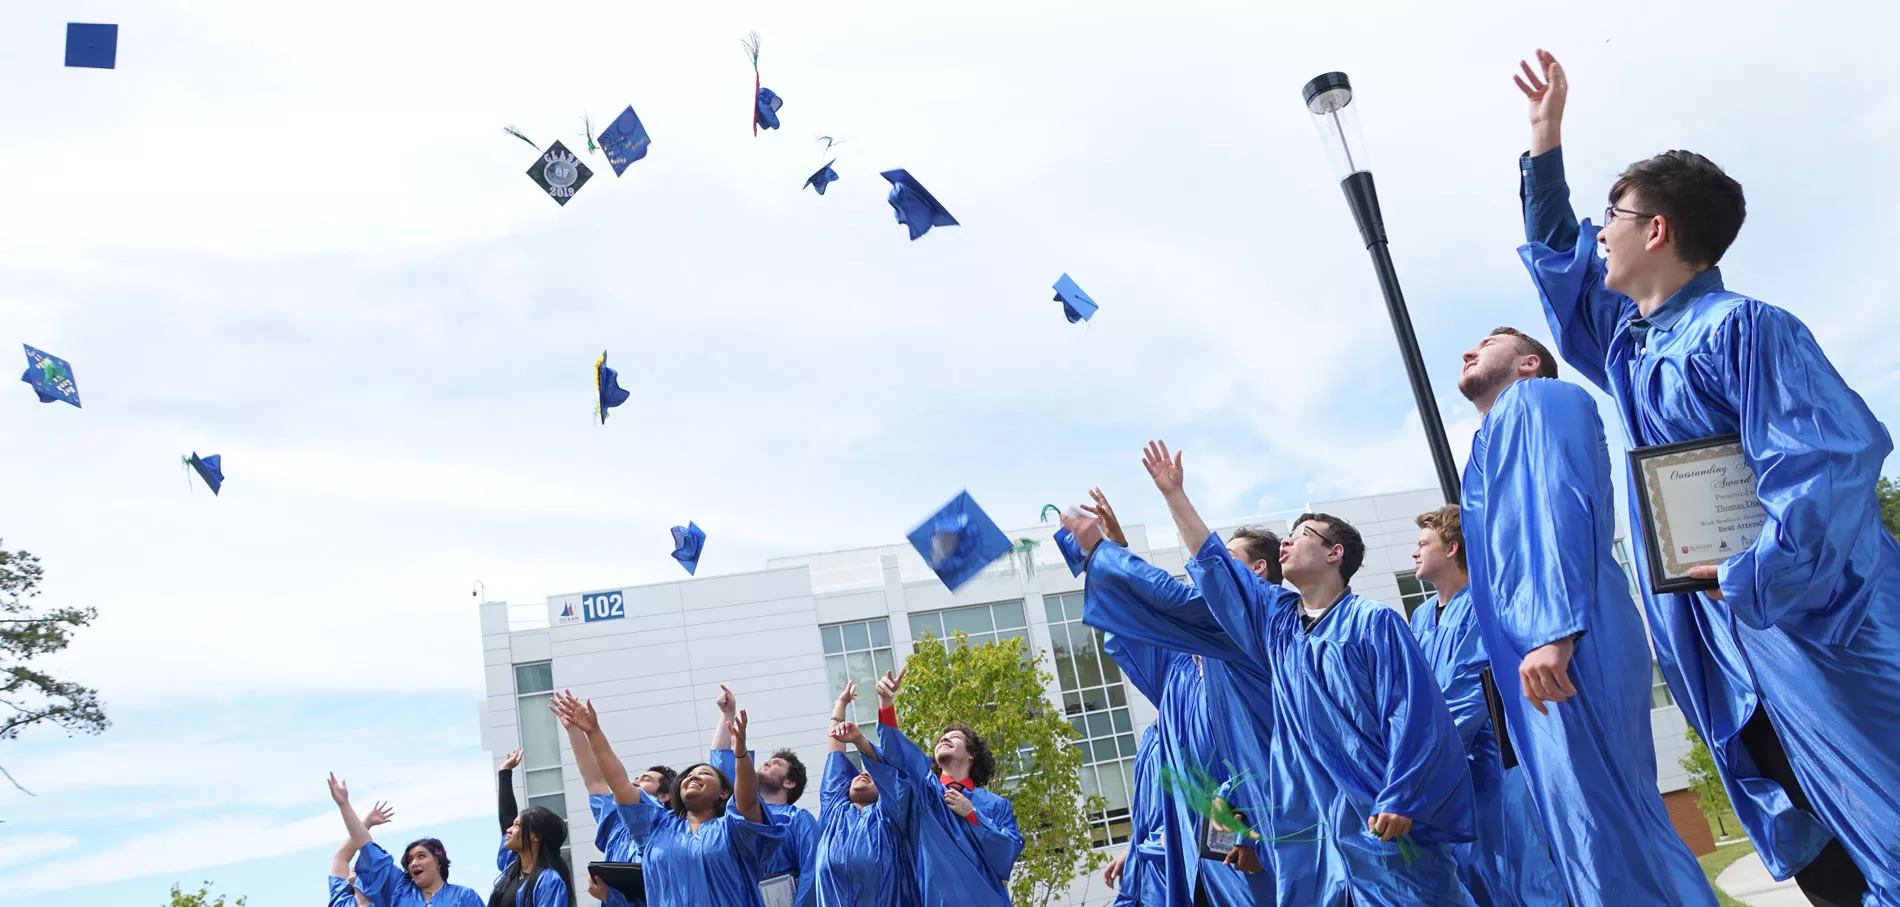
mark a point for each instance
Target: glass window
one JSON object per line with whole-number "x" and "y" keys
{"x": 833, "y": 641}
{"x": 983, "y": 623}
{"x": 926, "y": 622}
{"x": 856, "y": 637}
{"x": 1412, "y": 592}
{"x": 863, "y": 654}
{"x": 534, "y": 678}
{"x": 540, "y": 733}
{"x": 540, "y": 736}
{"x": 1096, "y": 703}
{"x": 1659, "y": 695}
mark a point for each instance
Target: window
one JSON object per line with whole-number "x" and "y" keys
{"x": 1412, "y": 592}
{"x": 859, "y": 651}
{"x": 540, "y": 737}
{"x": 1659, "y": 695}
{"x": 984, "y": 623}
{"x": 1629, "y": 569}
{"x": 1096, "y": 704}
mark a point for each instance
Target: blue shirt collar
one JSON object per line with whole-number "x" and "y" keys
{"x": 1671, "y": 311}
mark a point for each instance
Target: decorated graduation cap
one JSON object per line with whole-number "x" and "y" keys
{"x": 558, "y": 172}
{"x": 1076, "y": 305}
{"x": 607, "y": 384}
{"x": 688, "y": 541}
{"x": 959, "y": 541}
{"x": 824, "y": 177}
{"x": 50, "y": 376}
{"x": 210, "y": 469}
{"x": 916, "y": 207}
{"x": 624, "y": 140}
{"x": 92, "y": 46}
{"x": 767, "y": 116}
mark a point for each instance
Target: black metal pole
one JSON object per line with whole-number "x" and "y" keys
{"x": 1363, "y": 197}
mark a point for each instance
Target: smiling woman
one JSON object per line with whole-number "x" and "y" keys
{"x": 424, "y": 877}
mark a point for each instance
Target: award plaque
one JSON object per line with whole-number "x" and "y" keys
{"x": 1216, "y": 842}
{"x": 780, "y": 890}
{"x": 1698, "y": 505}
{"x": 1494, "y": 704}
{"x": 625, "y": 878}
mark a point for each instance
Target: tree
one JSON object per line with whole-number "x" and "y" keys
{"x": 28, "y": 632}
{"x": 1710, "y": 796}
{"x": 202, "y": 898}
{"x": 1888, "y": 491}
{"x": 1037, "y": 765}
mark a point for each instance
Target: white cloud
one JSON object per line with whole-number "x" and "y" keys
{"x": 17, "y": 849}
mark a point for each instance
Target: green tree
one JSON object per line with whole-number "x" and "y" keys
{"x": 1710, "y": 796}
{"x": 1037, "y": 765}
{"x": 27, "y": 632}
{"x": 200, "y": 898}
{"x": 1888, "y": 490}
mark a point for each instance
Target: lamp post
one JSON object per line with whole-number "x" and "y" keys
{"x": 1329, "y": 99}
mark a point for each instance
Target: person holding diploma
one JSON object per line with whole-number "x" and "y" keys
{"x": 1787, "y": 668}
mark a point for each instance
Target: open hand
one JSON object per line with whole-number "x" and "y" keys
{"x": 736, "y": 725}
{"x": 953, "y": 797}
{"x": 887, "y": 687}
{"x": 577, "y": 714}
{"x": 850, "y": 693}
{"x": 380, "y": 815}
{"x": 1547, "y": 96}
{"x": 513, "y": 761}
{"x": 1389, "y": 826}
{"x": 1708, "y": 572}
{"x": 1111, "y": 527}
{"x": 1166, "y": 473}
{"x": 1086, "y": 529}
{"x": 1545, "y": 674}
{"x": 339, "y": 790}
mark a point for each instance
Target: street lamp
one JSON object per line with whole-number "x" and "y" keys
{"x": 1329, "y": 99}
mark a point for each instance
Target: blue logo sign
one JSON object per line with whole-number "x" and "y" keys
{"x": 603, "y": 606}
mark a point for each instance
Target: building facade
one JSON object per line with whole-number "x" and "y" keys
{"x": 786, "y": 638}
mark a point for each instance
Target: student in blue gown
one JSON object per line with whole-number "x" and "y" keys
{"x": 1787, "y": 668}
{"x": 421, "y": 881}
{"x": 1508, "y": 865}
{"x": 1136, "y": 873}
{"x": 696, "y": 852}
{"x": 862, "y": 858}
{"x": 781, "y": 782}
{"x": 610, "y": 834}
{"x": 962, "y": 838}
{"x": 536, "y": 875}
{"x": 1198, "y": 705}
{"x": 1361, "y": 738}
{"x": 343, "y": 888}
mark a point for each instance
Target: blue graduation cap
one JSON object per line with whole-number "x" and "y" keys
{"x": 624, "y": 140}
{"x": 769, "y": 103}
{"x": 1071, "y": 552}
{"x": 688, "y": 541}
{"x": 607, "y": 383}
{"x": 92, "y": 46}
{"x": 959, "y": 541}
{"x": 50, "y": 376}
{"x": 824, "y": 177}
{"x": 916, "y": 208}
{"x": 210, "y": 469}
{"x": 1075, "y": 304}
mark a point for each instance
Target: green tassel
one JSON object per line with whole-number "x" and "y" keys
{"x": 588, "y": 121}
{"x": 1048, "y": 507}
{"x": 751, "y": 45}
{"x": 517, "y": 134}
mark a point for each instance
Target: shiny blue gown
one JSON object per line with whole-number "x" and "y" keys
{"x": 613, "y": 842}
{"x": 1809, "y": 628}
{"x": 799, "y": 848}
{"x": 861, "y": 858}
{"x": 957, "y": 862}
{"x": 1509, "y": 863}
{"x": 548, "y": 889}
{"x": 388, "y": 886}
{"x": 1143, "y": 865}
{"x": 717, "y": 865}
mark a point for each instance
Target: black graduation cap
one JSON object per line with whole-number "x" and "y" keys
{"x": 559, "y": 173}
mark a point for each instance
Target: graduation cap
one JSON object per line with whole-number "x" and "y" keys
{"x": 916, "y": 208}
{"x": 92, "y": 46}
{"x": 824, "y": 177}
{"x": 959, "y": 541}
{"x": 688, "y": 541}
{"x": 607, "y": 382}
{"x": 1075, "y": 304}
{"x": 210, "y": 469}
{"x": 559, "y": 173}
{"x": 50, "y": 376}
{"x": 768, "y": 106}
{"x": 624, "y": 140}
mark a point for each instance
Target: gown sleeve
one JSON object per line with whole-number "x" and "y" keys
{"x": 1540, "y": 481}
{"x": 606, "y": 822}
{"x": 893, "y": 790}
{"x": 1240, "y": 603}
{"x": 340, "y": 895}
{"x": 1817, "y": 452}
{"x": 998, "y": 840}
{"x": 549, "y": 890}
{"x": 834, "y": 790}
{"x": 1071, "y": 552}
{"x": 801, "y": 833}
{"x": 1426, "y": 778}
{"x": 757, "y": 841}
{"x": 1583, "y": 313}
{"x": 1464, "y": 695}
{"x": 1140, "y": 602}
{"x": 641, "y": 818}
{"x": 503, "y": 856}
{"x": 378, "y": 875}
{"x": 1144, "y": 665}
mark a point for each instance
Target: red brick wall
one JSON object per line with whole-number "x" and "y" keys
{"x": 1690, "y": 823}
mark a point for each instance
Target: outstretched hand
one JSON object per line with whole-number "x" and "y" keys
{"x": 1166, "y": 472}
{"x": 1086, "y": 529}
{"x": 728, "y": 704}
{"x": 736, "y": 725}
{"x": 1111, "y": 527}
{"x": 850, "y": 693}
{"x": 887, "y": 687}
{"x": 1547, "y": 95}
{"x": 513, "y": 761}
{"x": 574, "y": 713}
{"x": 379, "y": 815}
{"x": 339, "y": 790}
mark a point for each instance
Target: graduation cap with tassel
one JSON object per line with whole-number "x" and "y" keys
{"x": 210, "y": 469}
{"x": 765, "y": 104}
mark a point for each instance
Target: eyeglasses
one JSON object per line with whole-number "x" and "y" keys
{"x": 1307, "y": 529}
{"x": 1610, "y": 213}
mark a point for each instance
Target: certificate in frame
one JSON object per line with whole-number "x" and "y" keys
{"x": 1698, "y": 506}
{"x": 1216, "y": 842}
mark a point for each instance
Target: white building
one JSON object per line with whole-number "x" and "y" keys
{"x": 785, "y": 638}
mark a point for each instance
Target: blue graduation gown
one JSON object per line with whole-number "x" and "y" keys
{"x": 1509, "y": 863}
{"x": 862, "y": 860}
{"x": 340, "y": 895}
{"x": 1538, "y": 525}
{"x": 614, "y": 843}
{"x": 1215, "y": 717}
{"x": 548, "y": 889}
{"x": 716, "y": 866}
{"x": 957, "y": 862}
{"x": 798, "y": 849}
{"x": 1810, "y": 626}
{"x": 388, "y": 886}
{"x": 1142, "y": 881}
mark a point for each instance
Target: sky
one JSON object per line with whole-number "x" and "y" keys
{"x": 296, "y": 235}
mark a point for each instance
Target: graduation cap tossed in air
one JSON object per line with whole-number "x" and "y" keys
{"x": 688, "y": 541}
{"x": 824, "y": 177}
{"x": 768, "y": 106}
{"x": 624, "y": 140}
{"x": 916, "y": 207}
{"x": 559, "y": 173}
{"x": 91, "y": 45}
{"x": 959, "y": 541}
{"x": 1076, "y": 305}
{"x": 50, "y": 376}
{"x": 607, "y": 384}
{"x": 210, "y": 469}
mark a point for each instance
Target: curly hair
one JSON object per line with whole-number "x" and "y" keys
{"x": 982, "y": 764}
{"x": 434, "y": 847}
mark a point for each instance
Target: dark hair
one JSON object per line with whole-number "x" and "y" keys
{"x": 1529, "y": 346}
{"x": 982, "y": 764}
{"x": 1343, "y": 535}
{"x": 678, "y": 804}
{"x": 1261, "y": 543}
{"x": 666, "y": 779}
{"x": 550, "y": 834}
{"x": 1703, "y": 206}
{"x": 435, "y": 848}
{"x": 1444, "y": 522}
{"x": 795, "y": 770}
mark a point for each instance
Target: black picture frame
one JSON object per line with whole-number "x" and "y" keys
{"x": 1206, "y": 830}
{"x": 1494, "y": 703}
{"x": 1659, "y": 582}
{"x": 779, "y": 888}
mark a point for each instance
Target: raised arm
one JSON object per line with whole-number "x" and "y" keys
{"x": 745, "y": 785}
{"x": 584, "y": 759}
{"x": 505, "y": 808}
{"x": 728, "y": 706}
{"x": 1169, "y": 477}
{"x": 359, "y": 833}
{"x": 834, "y": 742}
{"x": 582, "y": 717}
